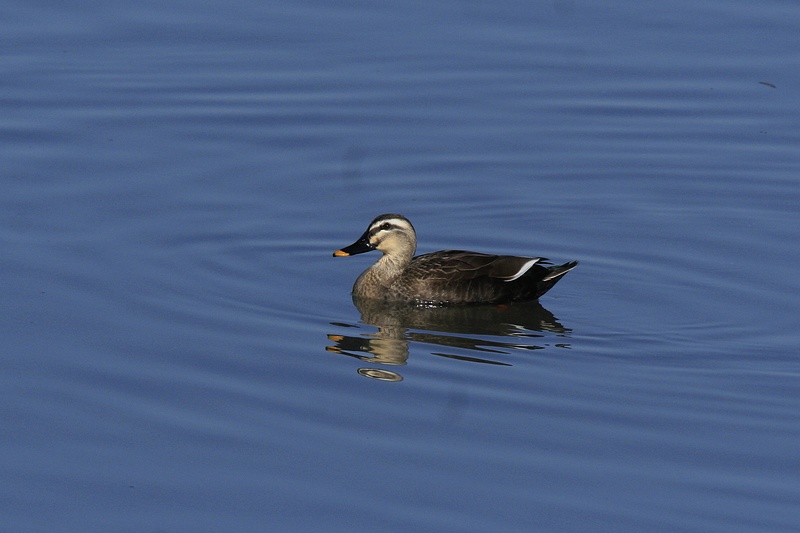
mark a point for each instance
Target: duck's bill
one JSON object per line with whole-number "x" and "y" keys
{"x": 359, "y": 247}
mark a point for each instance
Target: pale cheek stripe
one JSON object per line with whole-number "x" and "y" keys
{"x": 527, "y": 266}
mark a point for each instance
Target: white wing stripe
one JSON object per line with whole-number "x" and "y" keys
{"x": 527, "y": 266}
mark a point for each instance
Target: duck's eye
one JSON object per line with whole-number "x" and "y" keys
{"x": 386, "y": 226}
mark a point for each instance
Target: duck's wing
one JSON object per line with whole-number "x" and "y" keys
{"x": 461, "y": 265}
{"x": 456, "y": 276}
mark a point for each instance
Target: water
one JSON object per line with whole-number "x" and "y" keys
{"x": 181, "y": 352}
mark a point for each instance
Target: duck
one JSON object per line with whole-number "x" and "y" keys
{"x": 447, "y": 277}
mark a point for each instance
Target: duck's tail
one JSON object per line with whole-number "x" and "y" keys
{"x": 553, "y": 276}
{"x": 555, "y": 272}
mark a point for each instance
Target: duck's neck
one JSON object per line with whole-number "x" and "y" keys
{"x": 374, "y": 281}
{"x": 389, "y": 266}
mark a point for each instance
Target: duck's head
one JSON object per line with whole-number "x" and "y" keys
{"x": 390, "y": 233}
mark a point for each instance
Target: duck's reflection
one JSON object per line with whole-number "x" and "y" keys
{"x": 479, "y": 334}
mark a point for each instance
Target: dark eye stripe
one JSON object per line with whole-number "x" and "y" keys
{"x": 387, "y": 225}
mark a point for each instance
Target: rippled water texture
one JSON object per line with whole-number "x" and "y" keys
{"x": 182, "y": 353}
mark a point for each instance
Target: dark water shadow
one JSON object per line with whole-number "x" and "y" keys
{"x": 477, "y": 334}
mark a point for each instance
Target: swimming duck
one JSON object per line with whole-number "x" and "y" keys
{"x": 448, "y": 277}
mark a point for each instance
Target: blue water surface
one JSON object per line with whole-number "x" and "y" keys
{"x": 181, "y": 352}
